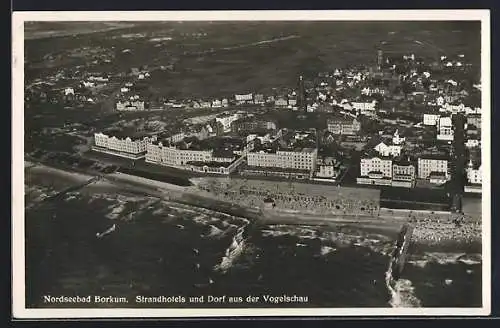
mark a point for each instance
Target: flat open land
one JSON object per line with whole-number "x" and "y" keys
{"x": 257, "y": 56}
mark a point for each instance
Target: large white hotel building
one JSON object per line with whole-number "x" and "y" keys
{"x": 172, "y": 156}
{"x": 303, "y": 159}
{"x": 430, "y": 166}
{"x": 125, "y": 147}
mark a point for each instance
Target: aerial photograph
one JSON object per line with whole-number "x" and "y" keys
{"x": 252, "y": 164}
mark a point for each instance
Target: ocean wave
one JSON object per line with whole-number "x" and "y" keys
{"x": 404, "y": 295}
{"x": 346, "y": 238}
{"x": 116, "y": 210}
{"x": 201, "y": 219}
{"x": 402, "y": 291}
{"x": 274, "y": 233}
{"x": 233, "y": 252}
{"x": 444, "y": 258}
{"x": 327, "y": 250}
{"x": 158, "y": 211}
{"x": 69, "y": 197}
{"x": 214, "y": 232}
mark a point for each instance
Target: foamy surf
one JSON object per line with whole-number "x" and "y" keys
{"x": 327, "y": 250}
{"x": 444, "y": 258}
{"x": 402, "y": 291}
{"x": 214, "y": 232}
{"x": 233, "y": 252}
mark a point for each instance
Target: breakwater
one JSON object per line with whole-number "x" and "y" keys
{"x": 398, "y": 258}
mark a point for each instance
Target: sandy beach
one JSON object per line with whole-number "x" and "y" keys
{"x": 431, "y": 228}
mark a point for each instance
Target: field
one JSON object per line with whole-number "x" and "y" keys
{"x": 217, "y": 59}
{"x": 211, "y": 60}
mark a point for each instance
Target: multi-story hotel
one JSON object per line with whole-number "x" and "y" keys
{"x": 205, "y": 161}
{"x": 403, "y": 173}
{"x": 126, "y": 147}
{"x": 344, "y": 126}
{"x": 303, "y": 159}
{"x": 250, "y": 125}
{"x": 433, "y": 167}
{"x": 378, "y": 167}
{"x": 171, "y": 156}
{"x": 386, "y": 171}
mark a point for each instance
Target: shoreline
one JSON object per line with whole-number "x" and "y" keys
{"x": 386, "y": 220}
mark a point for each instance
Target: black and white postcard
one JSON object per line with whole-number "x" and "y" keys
{"x": 251, "y": 163}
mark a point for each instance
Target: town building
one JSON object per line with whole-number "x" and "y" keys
{"x": 281, "y": 102}
{"x": 475, "y": 120}
{"x": 452, "y": 108}
{"x": 226, "y": 120}
{"x": 388, "y": 149}
{"x": 244, "y": 98}
{"x": 365, "y": 108}
{"x": 326, "y": 168}
{"x": 69, "y": 91}
{"x": 397, "y": 139}
{"x": 130, "y": 105}
{"x": 472, "y": 142}
{"x": 433, "y": 168}
{"x": 438, "y": 178}
{"x": 431, "y": 119}
{"x": 167, "y": 155}
{"x": 326, "y": 171}
{"x": 302, "y": 159}
{"x": 344, "y": 126}
{"x": 262, "y": 137}
{"x": 367, "y": 91}
{"x": 474, "y": 173}
{"x": 376, "y": 167}
{"x": 203, "y": 132}
{"x": 258, "y": 99}
{"x": 202, "y": 161}
{"x": 128, "y": 147}
{"x": 445, "y": 129}
{"x": 403, "y": 173}
{"x": 178, "y": 137}
{"x": 386, "y": 171}
{"x": 216, "y": 103}
{"x": 205, "y": 104}
{"x": 251, "y": 125}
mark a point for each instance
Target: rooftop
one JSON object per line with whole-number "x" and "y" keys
{"x": 434, "y": 156}
{"x": 123, "y": 134}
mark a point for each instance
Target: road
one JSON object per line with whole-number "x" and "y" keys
{"x": 458, "y": 160}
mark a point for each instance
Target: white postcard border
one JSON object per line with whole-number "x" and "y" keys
{"x": 18, "y": 246}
